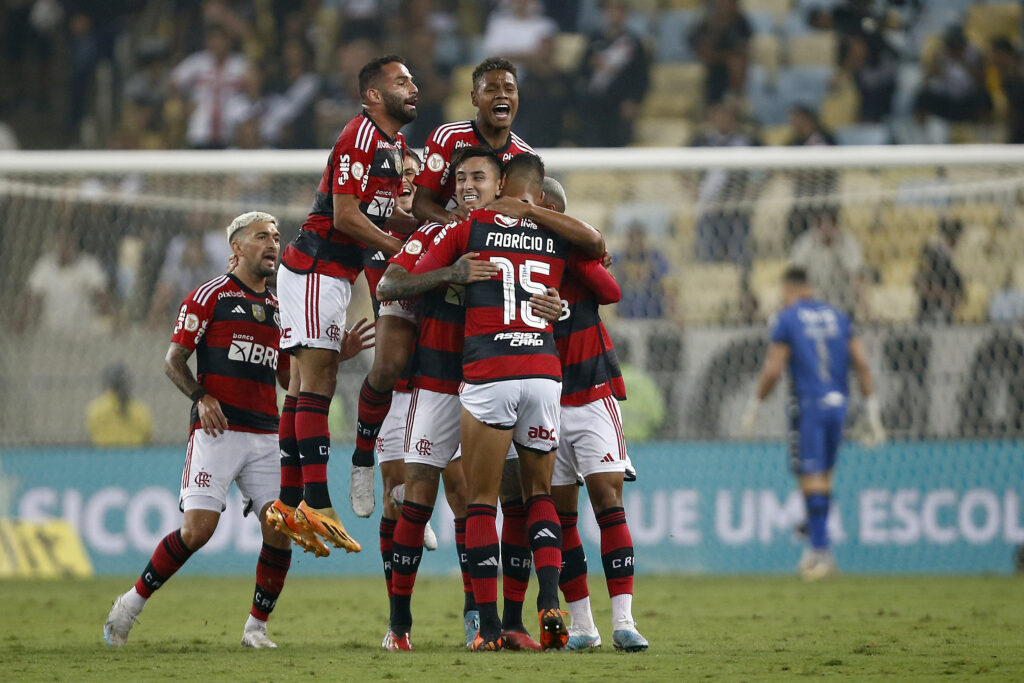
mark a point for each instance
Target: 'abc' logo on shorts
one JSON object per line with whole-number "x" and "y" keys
{"x": 542, "y": 433}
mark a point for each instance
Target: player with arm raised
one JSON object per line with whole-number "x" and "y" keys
{"x": 816, "y": 341}
{"x": 592, "y": 444}
{"x": 354, "y": 202}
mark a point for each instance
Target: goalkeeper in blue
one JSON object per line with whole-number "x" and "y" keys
{"x": 817, "y": 343}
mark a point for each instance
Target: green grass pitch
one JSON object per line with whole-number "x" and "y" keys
{"x": 733, "y": 628}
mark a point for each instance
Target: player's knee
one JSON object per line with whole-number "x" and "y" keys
{"x": 197, "y": 534}
{"x": 384, "y": 373}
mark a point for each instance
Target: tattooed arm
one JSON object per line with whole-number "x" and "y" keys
{"x": 211, "y": 417}
{"x": 398, "y": 283}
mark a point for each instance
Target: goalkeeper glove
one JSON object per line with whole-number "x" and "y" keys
{"x": 876, "y": 436}
{"x": 749, "y": 418}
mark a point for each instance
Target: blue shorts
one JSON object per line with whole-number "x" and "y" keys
{"x": 814, "y": 435}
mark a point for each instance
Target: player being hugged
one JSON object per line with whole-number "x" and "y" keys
{"x": 354, "y": 203}
{"x": 818, "y": 343}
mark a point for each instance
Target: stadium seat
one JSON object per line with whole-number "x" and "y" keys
{"x": 708, "y": 292}
{"x": 977, "y": 214}
{"x": 671, "y": 104}
{"x": 673, "y": 36}
{"x": 900, "y": 271}
{"x": 569, "y": 50}
{"x": 805, "y": 85}
{"x": 893, "y": 303}
{"x": 763, "y": 96}
{"x": 762, "y": 22}
{"x": 841, "y": 106}
{"x": 775, "y": 136}
{"x": 765, "y": 52}
{"x": 987, "y": 21}
{"x": 863, "y": 134}
{"x": 904, "y": 229}
{"x": 974, "y": 308}
{"x": 458, "y": 107}
{"x": 677, "y": 78}
{"x": 816, "y": 48}
{"x": 767, "y": 273}
{"x": 661, "y": 132}
{"x": 776, "y": 8}
{"x": 605, "y": 186}
{"x": 656, "y": 218}
{"x": 795, "y": 24}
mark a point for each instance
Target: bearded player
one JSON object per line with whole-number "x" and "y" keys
{"x": 495, "y": 94}
{"x": 591, "y": 444}
{"x": 355, "y": 200}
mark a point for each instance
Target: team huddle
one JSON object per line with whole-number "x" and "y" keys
{"x": 492, "y": 373}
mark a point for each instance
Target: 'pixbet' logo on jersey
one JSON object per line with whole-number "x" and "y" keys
{"x": 248, "y": 351}
{"x": 520, "y": 338}
{"x": 542, "y": 433}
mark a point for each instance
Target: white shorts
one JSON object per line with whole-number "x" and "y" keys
{"x": 313, "y": 309}
{"x": 591, "y": 441}
{"x": 433, "y": 431}
{"x": 530, "y": 407}
{"x": 391, "y": 438}
{"x": 404, "y": 309}
{"x": 253, "y": 461}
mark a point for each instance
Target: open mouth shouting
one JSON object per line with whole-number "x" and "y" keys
{"x": 502, "y": 112}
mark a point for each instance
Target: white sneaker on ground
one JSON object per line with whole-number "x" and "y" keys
{"x": 429, "y": 537}
{"x": 119, "y": 622}
{"x": 819, "y": 565}
{"x": 256, "y": 638}
{"x": 360, "y": 491}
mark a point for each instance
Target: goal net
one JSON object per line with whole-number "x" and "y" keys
{"x": 923, "y": 246}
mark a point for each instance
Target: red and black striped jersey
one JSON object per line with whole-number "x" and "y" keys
{"x": 235, "y": 333}
{"x": 442, "y": 143}
{"x": 504, "y": 338}
{"x": 437, "y": 359}
{"x": 590, "y": 369}
{"x": 366, "y": 163}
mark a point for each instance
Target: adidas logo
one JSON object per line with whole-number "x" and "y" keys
{"x": 491, "y": 561}
{"x": 386, "y": 164}
{"x": 238, "y": 309}
{"x": 544, "y": 533}
{"x": 608, "y": 458}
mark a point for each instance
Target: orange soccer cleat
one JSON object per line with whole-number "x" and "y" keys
{"x": 283, "y": 518}
{"x": 481, "y": 645}
{"x": 324, "y": 522}
{"x": 553, "y": 633}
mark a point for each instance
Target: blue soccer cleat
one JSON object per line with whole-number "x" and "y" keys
{"x": 471, "y": 625}
{"x": 629, "y": 640}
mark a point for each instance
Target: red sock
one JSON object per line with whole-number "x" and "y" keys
{"x": 387, "y": 534}
{"x": 546, "y": 543}
{"x": 616, "y": 551}
{"x": 483, "y": 551}
{"x": 373, "y": 408}
{"x": 271, "y": 570}
{"x": 291, "y": 471}
{"x": 408, "y": 546}
{"x": 170, "y": 554}
{"x": 573, "y": 579}
{"x": 314, "y": 441}
{"x": 515, "y": 551}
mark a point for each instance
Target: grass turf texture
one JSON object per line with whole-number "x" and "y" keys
{"x": 330, "y": 629}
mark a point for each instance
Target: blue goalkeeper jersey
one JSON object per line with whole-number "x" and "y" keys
{"x": 818, "y": 336}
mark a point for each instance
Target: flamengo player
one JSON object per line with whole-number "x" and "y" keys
{"x": 355, "y": 199}
{"x": 495, "y": 94}
{"x": 591, "y": 443}
{"x": 231, "y": 322}
{"x": 512, "y": 373}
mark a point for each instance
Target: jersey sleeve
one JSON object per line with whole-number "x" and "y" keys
{"x": 412, "y": 250}
{"x": 436, "y": 158}
{"x": 192, "y": 321}
{"x": 445, "y": 249}
{"x": 351, "y": 163}
{"x": 595, "y": 277}
{"x": 780, "y": 329}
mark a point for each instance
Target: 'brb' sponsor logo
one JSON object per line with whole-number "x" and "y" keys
{"x": 252, "y": 352}
{"x": 541, "y": 433}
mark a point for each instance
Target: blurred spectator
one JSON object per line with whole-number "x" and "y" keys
{"x": 30, "y": 29}
{"x": 434, "y": 83}
{"x": 142, "y": 122}
{"x": 723, "y": 228}
{"x": 114, "y": 418}
{"x": 640, "y": 270}
{"x": 614, "y": 80}
{"x": 721, "y": 40}
{"x": 288, "y": 117}
{"x": 190, "y": 259}
{"x": 810, "y": 188}
{"x": 359, "y": 19}
{"x": 940, "y": 287}
{"x": 954, "y": 86}
{"x": 515, "y": 29}
{"x": 834, "y": 261}
{"x": 209, "y": 80}
{"x": 94, "y": 27}
{"x": 341, "y": 98}
{"x": 544, "y": 96}
{"x": 67, "y": 290}
{"x": 919, "y": 128}
{"x": 1009, "y": 86}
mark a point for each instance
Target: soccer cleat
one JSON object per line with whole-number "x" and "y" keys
{"x": 325, "y": 523}
{"x": 256, "y": 638}
{"x": 119, "y": 623}
{"x": 392, "y": 643}
{"x": 581, "y": 640}
{"x": 481, "y": 645}
{"x": 429, "y": 537}
{"x": 518, "y": 640}
{"x": 283, "y": 518}
{"x": 630, "y": 473}
{"x": 360, "y": 491}
{"x": 553, "y": 634}
{"x": 817, "y": 565}
{"x": 471, "y": 623}
{"x": 398, "y": 495}
{"x": 629, "y": 640}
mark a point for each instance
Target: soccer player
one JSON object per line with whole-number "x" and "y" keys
{"x": 495, "y": 95}
{"x": 591, "y": 443}
{"x": 817, "y": 342}
{"x": 354, "y": 201}
{"x": 231, "y": 323}
{"x": 511, "y": 375}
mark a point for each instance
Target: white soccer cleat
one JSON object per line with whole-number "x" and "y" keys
{"x": 119, "y": 623}
{"x": 429, "y": 537}
{"x": 256, "y": 638}
{"x": 579, "y": 639}
{"x": 816, "y": 565}
{"x": 360, "y": 491}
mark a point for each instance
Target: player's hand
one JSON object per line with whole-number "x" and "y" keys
{"x": 510, "y": 206}
{"x": 749, "y": 418}
{"x": 211, "y": 417}
{"x": 876, "y": 431}
{"x": 547, "y": 305}
{"x": 606, "y": 259}
{"x": 359, "y": 337}
{"x": 458, "y": 214}
{"x": 467, "y": 269}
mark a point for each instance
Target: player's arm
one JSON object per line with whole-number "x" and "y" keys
{"x": 425, "y": 207}
{"x": 596, "y": 278}
{"x": 398, "y": 283}
{"x": 351, "y": 221}
{"x": 866, "y": 383}
{"x": 581, "y": 235}
{"x": 774, "y": 364}
{"x": 211, "y": 417}
{"x": 401, "y": 222}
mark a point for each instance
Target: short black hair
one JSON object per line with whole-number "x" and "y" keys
{"x": 795, "y": 275}
{"x": 494, "y": 64}
{"x": 372, "y": 69}
{"x": 410, "y": 152}
{"x": 476, "y": 151}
